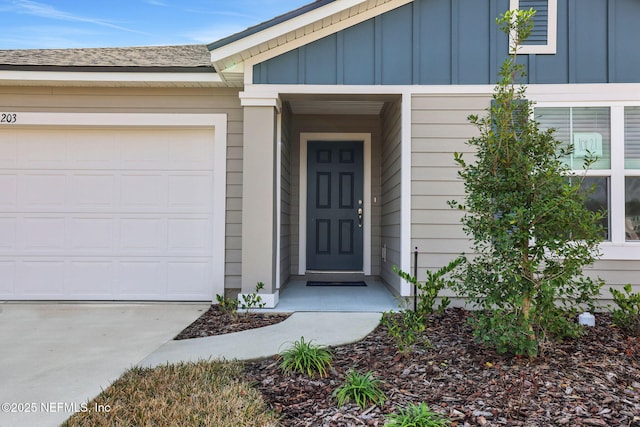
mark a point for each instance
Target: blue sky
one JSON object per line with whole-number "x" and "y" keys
{"x": 41, "y": 24}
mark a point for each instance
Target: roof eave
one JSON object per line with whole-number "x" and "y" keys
{"x": 250, "y": 38}
{"x": 110, "y": 79}
{"x": 268, "y": 24}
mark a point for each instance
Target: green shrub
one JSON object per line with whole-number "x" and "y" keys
{"x": 427, "y": 292}
{"x": 525, "y": 211}
{"x": 406, "y": 328}
{"x": 227, "y": 305}
{"x": 362, "y": 389}
{"x": 627, "y": 315}
{"x": 306, "y": 358}
{"x": 253, "y": 300}
{"x": 416, "y": 416}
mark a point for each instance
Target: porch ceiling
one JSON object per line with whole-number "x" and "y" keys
{"x": 338, "y": 105}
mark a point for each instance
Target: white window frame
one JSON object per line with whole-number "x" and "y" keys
{"x": 552, "y": 32}
{"x": 617, "y": 247}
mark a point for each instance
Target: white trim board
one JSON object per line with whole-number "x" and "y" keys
{"x": 92, "y": 78}
{"x": 216, "y": 121}
{"x": 334, "y": 136}
{"x": 552, "y": 32}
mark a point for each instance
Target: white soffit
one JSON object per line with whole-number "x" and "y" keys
{"x": 302, "y": 106}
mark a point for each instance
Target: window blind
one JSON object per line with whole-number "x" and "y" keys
{"x": 572, "y": 124}
{"x": 632, "y": 137}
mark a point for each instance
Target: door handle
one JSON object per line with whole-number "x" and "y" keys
{"x": 360, "y": 212}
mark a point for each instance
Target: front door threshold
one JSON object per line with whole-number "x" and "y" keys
{"x": 333, "y": 276}
{"x": 333, "y": 272}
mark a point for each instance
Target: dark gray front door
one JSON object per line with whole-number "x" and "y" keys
{"x": 335, "y": 205}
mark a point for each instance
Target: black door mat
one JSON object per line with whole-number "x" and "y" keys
{"x": 318, "y": 283}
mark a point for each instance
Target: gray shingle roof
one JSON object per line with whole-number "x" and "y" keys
{"x": 163, "y": 57}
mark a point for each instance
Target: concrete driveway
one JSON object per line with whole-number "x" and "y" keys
{"x": 56, "y": 357}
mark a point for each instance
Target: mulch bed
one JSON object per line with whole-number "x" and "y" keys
{"x": 218, "y": 322}
{"x": 592, "y": 381}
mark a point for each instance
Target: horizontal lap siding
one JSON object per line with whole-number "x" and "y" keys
{"x": 439, "y": 127}
{"x": 285, "y": 186}
{"x": 616, "y": 274}
{"x": 155, "y": 100}
{"x": 391, "y": 191}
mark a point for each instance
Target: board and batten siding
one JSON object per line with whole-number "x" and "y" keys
{"x": 450, "y": 42}
{"x": 391, "y": 192}
{"x": 155, "y": 100}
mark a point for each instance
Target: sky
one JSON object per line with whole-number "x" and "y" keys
{"x": 45, "y": 24}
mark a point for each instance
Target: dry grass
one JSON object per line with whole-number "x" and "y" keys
{"x": 187, "y": 394}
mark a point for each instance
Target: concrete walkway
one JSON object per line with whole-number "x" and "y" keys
{"x": 55, "y": 357}
{"x": 323, "y": 328}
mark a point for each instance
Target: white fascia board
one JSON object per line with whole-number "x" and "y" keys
{"x": 8, "y": 76}
{"x": 270, "y": 91}
{"x": 585, "y": 92}
{"x": 282, "y": 29}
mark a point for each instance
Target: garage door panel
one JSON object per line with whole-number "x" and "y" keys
{"x": 145, "y": 151}
{"x": 144, "y": 277}
{"x": 8, "y": 274}
{"x": 142, "y": 235}
{"x": 8, "y": 152}
{"x": 187, "y": 279}
{"x": 91, "y": 234}
{"x": 42, "y": 278}
{"x": 191, "y": 192}
{"x": 8, "y": 232}
{"x": 92, "y": 191}
{"x": 42, "y": 150}
{"x": 42, "y": 234}
{"x": 194, "y": 154}
{"x": 189, "y": 236}
{"x": 91, "y": 150}
{"x": 143, "y": 190}
{"x": 88, "y": 278}
{"x": 106, "y": 213}
{"x": 8, "y": 191}
{"x": 42, "y": 191}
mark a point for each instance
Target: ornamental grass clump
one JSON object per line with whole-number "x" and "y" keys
{"x": 361, "y": 389}
{"x": 306, "y": 358}
{"x": 416, "y": 416}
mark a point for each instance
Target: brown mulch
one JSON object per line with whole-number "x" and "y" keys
{"x": 592, "y": 381}
{"x": 218, "y": 322}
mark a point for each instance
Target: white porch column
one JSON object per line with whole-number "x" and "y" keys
{"x": 259, "y": 193}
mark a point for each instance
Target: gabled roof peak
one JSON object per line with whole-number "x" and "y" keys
{"x": 268, "y": 24}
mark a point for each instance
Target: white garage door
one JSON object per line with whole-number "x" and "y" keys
{"x": 112, "y": 213}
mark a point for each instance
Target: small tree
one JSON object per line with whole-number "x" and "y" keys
{"x": 532, "y": 234}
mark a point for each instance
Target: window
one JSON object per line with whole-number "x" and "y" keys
{"x": 632, "y": 173}
{"x": 543, "y": 36}
{"x": 612, "y": 134}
